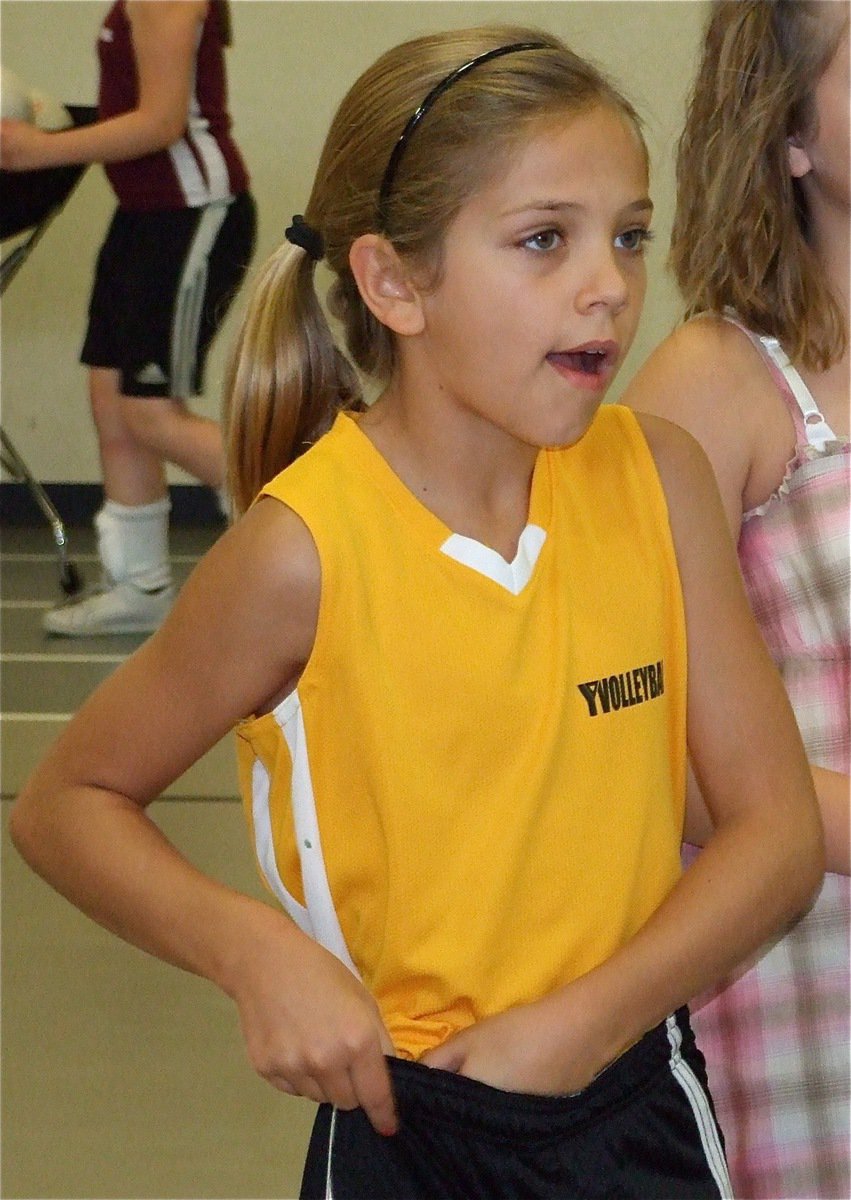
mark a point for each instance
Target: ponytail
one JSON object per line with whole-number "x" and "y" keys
{"x": 286, "y": 380}
{"x": 225, "y": 25}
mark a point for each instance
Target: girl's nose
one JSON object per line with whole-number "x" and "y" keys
{"x": 605, "y": 284}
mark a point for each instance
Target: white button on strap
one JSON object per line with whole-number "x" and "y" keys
{"x": 818, "y": 431}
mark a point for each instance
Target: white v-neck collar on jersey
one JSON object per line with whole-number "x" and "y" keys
{"x": 512, "y": 576}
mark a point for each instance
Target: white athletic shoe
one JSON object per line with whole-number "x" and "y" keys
{"x": 116, "y": 608}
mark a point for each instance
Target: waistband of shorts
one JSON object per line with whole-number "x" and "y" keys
{"x": 456, "y": 1099}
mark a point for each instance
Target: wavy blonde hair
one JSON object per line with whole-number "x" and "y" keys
{"x": 287, "y": 378}
{"x": 740, "y": 235}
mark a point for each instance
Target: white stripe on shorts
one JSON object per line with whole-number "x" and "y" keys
{"x": 329, "y": 1189}
{"x": 699, "y": 1102}
{"x": 189, "y": 305}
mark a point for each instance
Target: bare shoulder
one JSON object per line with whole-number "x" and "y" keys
{"x": 253, "y": 603}
{"x": 700, "y": 371}
{"x": 709, "y": 379}
{"x": 680, "y": 460}
{"x": 267, "y": 557}
{"x": 696, "y": 512}
{"x": 273, "y": 532}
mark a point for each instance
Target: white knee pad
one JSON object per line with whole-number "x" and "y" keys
{"x": 133, "y": 543}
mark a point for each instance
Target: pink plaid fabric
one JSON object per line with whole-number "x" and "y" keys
{"x": 776, "y": 1039}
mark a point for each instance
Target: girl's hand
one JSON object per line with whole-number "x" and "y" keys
{"x": 533, "y": 1048}
{"x": 22, "y": 146}
{"x": 311, "y": 1028}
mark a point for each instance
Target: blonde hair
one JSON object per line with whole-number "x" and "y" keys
{"x": 288, "y": 379}
{"x": 741, "y": 228}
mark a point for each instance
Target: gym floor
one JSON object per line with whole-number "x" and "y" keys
{"x": 121, "y": 1076}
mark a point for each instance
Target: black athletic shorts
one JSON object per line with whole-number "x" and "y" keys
{"x": 163, "y": 283}
{"x": 644, "y": 1129}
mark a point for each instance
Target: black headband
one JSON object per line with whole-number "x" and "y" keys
{"x": 434, "y": 94}
{"x": 304, "y": 235}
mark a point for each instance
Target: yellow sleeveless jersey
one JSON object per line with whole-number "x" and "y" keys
{"x": 476, "y": 792}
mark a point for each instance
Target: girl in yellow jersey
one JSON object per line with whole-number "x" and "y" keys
{"x": 452, "y": 633}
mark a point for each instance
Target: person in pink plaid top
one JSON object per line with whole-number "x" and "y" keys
{"x": 759, "y": 374}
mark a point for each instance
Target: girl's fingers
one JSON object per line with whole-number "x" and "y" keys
{"x": 449, "y": 1056}
{"x": 373, "y": 1090}
{"x": 282, "y": 1085}
{"x": 338, "y": 1090}
{"x": 365, "y": 1084}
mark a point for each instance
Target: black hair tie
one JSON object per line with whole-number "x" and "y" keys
{"x": 304, "y": 235}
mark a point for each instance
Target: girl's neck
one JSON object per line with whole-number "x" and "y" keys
{"x": 832, "y": 245}
{"x": 831, "y": 239}
{"x": 471, "y": 475}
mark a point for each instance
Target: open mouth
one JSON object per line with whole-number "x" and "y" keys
{"x": 590, "y": 360}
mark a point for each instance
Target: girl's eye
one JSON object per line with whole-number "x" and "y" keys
{"x": 634, "y": 240}
{"x": 545, "y": 239}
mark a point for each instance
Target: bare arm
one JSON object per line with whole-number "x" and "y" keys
{"x": 709, "y": 380}
{"x": 760, "y": 867}
{"x": 164, "y": 41}
{"x": 834, "y": 798}
{"x": 236, "y": 639}
{"x": 834, "y": 801}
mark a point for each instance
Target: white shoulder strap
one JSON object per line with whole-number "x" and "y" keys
{"x": 818, "y": 431}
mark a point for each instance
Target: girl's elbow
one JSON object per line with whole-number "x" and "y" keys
{"x": 818, "y": 858}
{"x": 171, "y": 130}
{"x": 158, "y": 131}
{"x": 23, "y": 829}
{"x": 34, "y": 826}
{"x": 809, "y": 867}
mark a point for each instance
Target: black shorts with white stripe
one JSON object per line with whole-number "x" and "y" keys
{"x": 644, "y": 1129}
{"x": 163, "y": 284}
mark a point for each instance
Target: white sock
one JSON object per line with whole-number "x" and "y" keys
{"x": 133, "y": 543}
{"x": 224, "y": 502}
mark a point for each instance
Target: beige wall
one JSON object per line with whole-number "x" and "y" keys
{"x": 291, "y": 63}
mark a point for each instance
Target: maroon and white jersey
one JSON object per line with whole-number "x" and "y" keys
{"x": 205, "y": 164}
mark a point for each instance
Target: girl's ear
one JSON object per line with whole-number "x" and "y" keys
{"x": 799, "y": 159}
{"x": 385, "y": 285}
